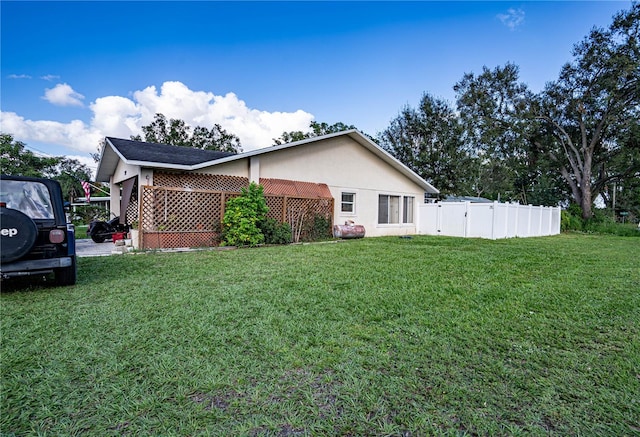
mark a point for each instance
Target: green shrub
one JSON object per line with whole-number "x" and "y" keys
{"x": 274, "y": 232}
{"x": 612, "y": 227}
{"x": 570, "y": 221}
{"x": 242, "y": 215}
{"x": 602, "y": 222}
{"x": 319, "y": 229}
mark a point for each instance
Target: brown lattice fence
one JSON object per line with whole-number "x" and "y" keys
{"x": 195, "y": 181}
{"x": 131, "y": 213}
{"x": 190, "y": 214}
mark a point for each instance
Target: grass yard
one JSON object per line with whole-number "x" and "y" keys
{"x": 81, "y": 231}
{"x": 381, "y": 336}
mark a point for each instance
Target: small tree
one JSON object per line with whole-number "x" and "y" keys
{"x": 240, "y": 225}
{"x": 15, "y": 159}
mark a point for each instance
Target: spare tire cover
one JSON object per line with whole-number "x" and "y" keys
{"x": 19, "y": 234}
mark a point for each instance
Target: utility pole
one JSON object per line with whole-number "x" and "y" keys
{"x": 613, "y": 201}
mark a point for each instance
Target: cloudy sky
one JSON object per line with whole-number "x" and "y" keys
{"x": 75, "y": 72}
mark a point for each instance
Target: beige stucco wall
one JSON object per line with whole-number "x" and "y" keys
{"x": 124, "y": 171}
{"x": 239, "y": 167}
{"x": 345, "y": 166}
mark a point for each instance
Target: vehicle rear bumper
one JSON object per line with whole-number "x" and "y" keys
{"x": 34, "y": 266}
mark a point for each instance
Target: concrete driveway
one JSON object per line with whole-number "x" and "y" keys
{"x": 86, "y": 247}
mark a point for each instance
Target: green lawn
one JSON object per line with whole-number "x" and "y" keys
{"x": 81, "y": 231}
{"x": 381, "y": 336}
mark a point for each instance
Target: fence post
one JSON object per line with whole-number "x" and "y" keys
{"x": 507, "y": 207}
{"x": 540, "y": 221}
{"x": 467, "y": 219}
{"x": 493, "y": 219}
{"x": 141, "y": 210}
{"x": 222, "y": 206}
{"x": 285, "y": 201}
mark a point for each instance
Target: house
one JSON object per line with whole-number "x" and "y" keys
{"x": 348, "y": 176}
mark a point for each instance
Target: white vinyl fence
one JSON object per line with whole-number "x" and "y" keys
{"x": 487, "y": 220}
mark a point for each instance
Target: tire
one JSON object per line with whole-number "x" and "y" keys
{"x": 97, "y": 233}
{"x": 98, "y": 238}
{"x": 19, "y": 234}
{"x": 67, "y": 275}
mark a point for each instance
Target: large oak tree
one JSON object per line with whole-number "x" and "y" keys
{"x": 592, "y": 110}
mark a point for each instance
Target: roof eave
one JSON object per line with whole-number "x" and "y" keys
{"x": 106, "y": 167}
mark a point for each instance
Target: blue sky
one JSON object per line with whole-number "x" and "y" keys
{"x": 74, "y": 72}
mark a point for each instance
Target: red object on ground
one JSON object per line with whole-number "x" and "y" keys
{"x": 118, "y": 236}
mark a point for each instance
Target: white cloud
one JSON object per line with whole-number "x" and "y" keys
{"x": 75, "y": 134}
{"x": 50, "y": 77}
{"x": 19, "y": 76}
{"x": 255, "y": 128}
{"x": 63, "y": 95}
{"x": 122, "y": 117}
{"x": 89, "y": 162}
{"x": 513, "y": 18}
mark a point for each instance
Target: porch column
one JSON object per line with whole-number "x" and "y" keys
{"x": 254, "y": 169}
{"x": 115, "y": 197}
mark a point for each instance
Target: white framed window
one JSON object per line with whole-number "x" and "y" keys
{"x": 388, "y": 209}
{"x": 348, "y": 203}
{"x": 407, "y": 209}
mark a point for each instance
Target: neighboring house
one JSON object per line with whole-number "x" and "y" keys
{"x": 364, "y": 183}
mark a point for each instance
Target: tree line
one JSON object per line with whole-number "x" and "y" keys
{"x": 576, "y": 140}
{"x": 16, "y": 159}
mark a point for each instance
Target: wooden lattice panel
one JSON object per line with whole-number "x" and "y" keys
{"x": 179, "y": 217}
{"x": 170, "y": 240}
{"x": 170, "y": 209}
{"x": 322, "y": 207}
{"x": 275, "y": 204}
{"x": 193, "y": 181}
{"x": 306, "y": 215}
{"x": 131, "y": 213}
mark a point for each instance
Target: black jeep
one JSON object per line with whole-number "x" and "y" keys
{"x": 36, "y": 239}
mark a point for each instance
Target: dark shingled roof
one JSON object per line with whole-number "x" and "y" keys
{"x": 164, "y": 153}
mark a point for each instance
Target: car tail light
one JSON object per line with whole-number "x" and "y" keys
{"x": 56, "y": 236}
